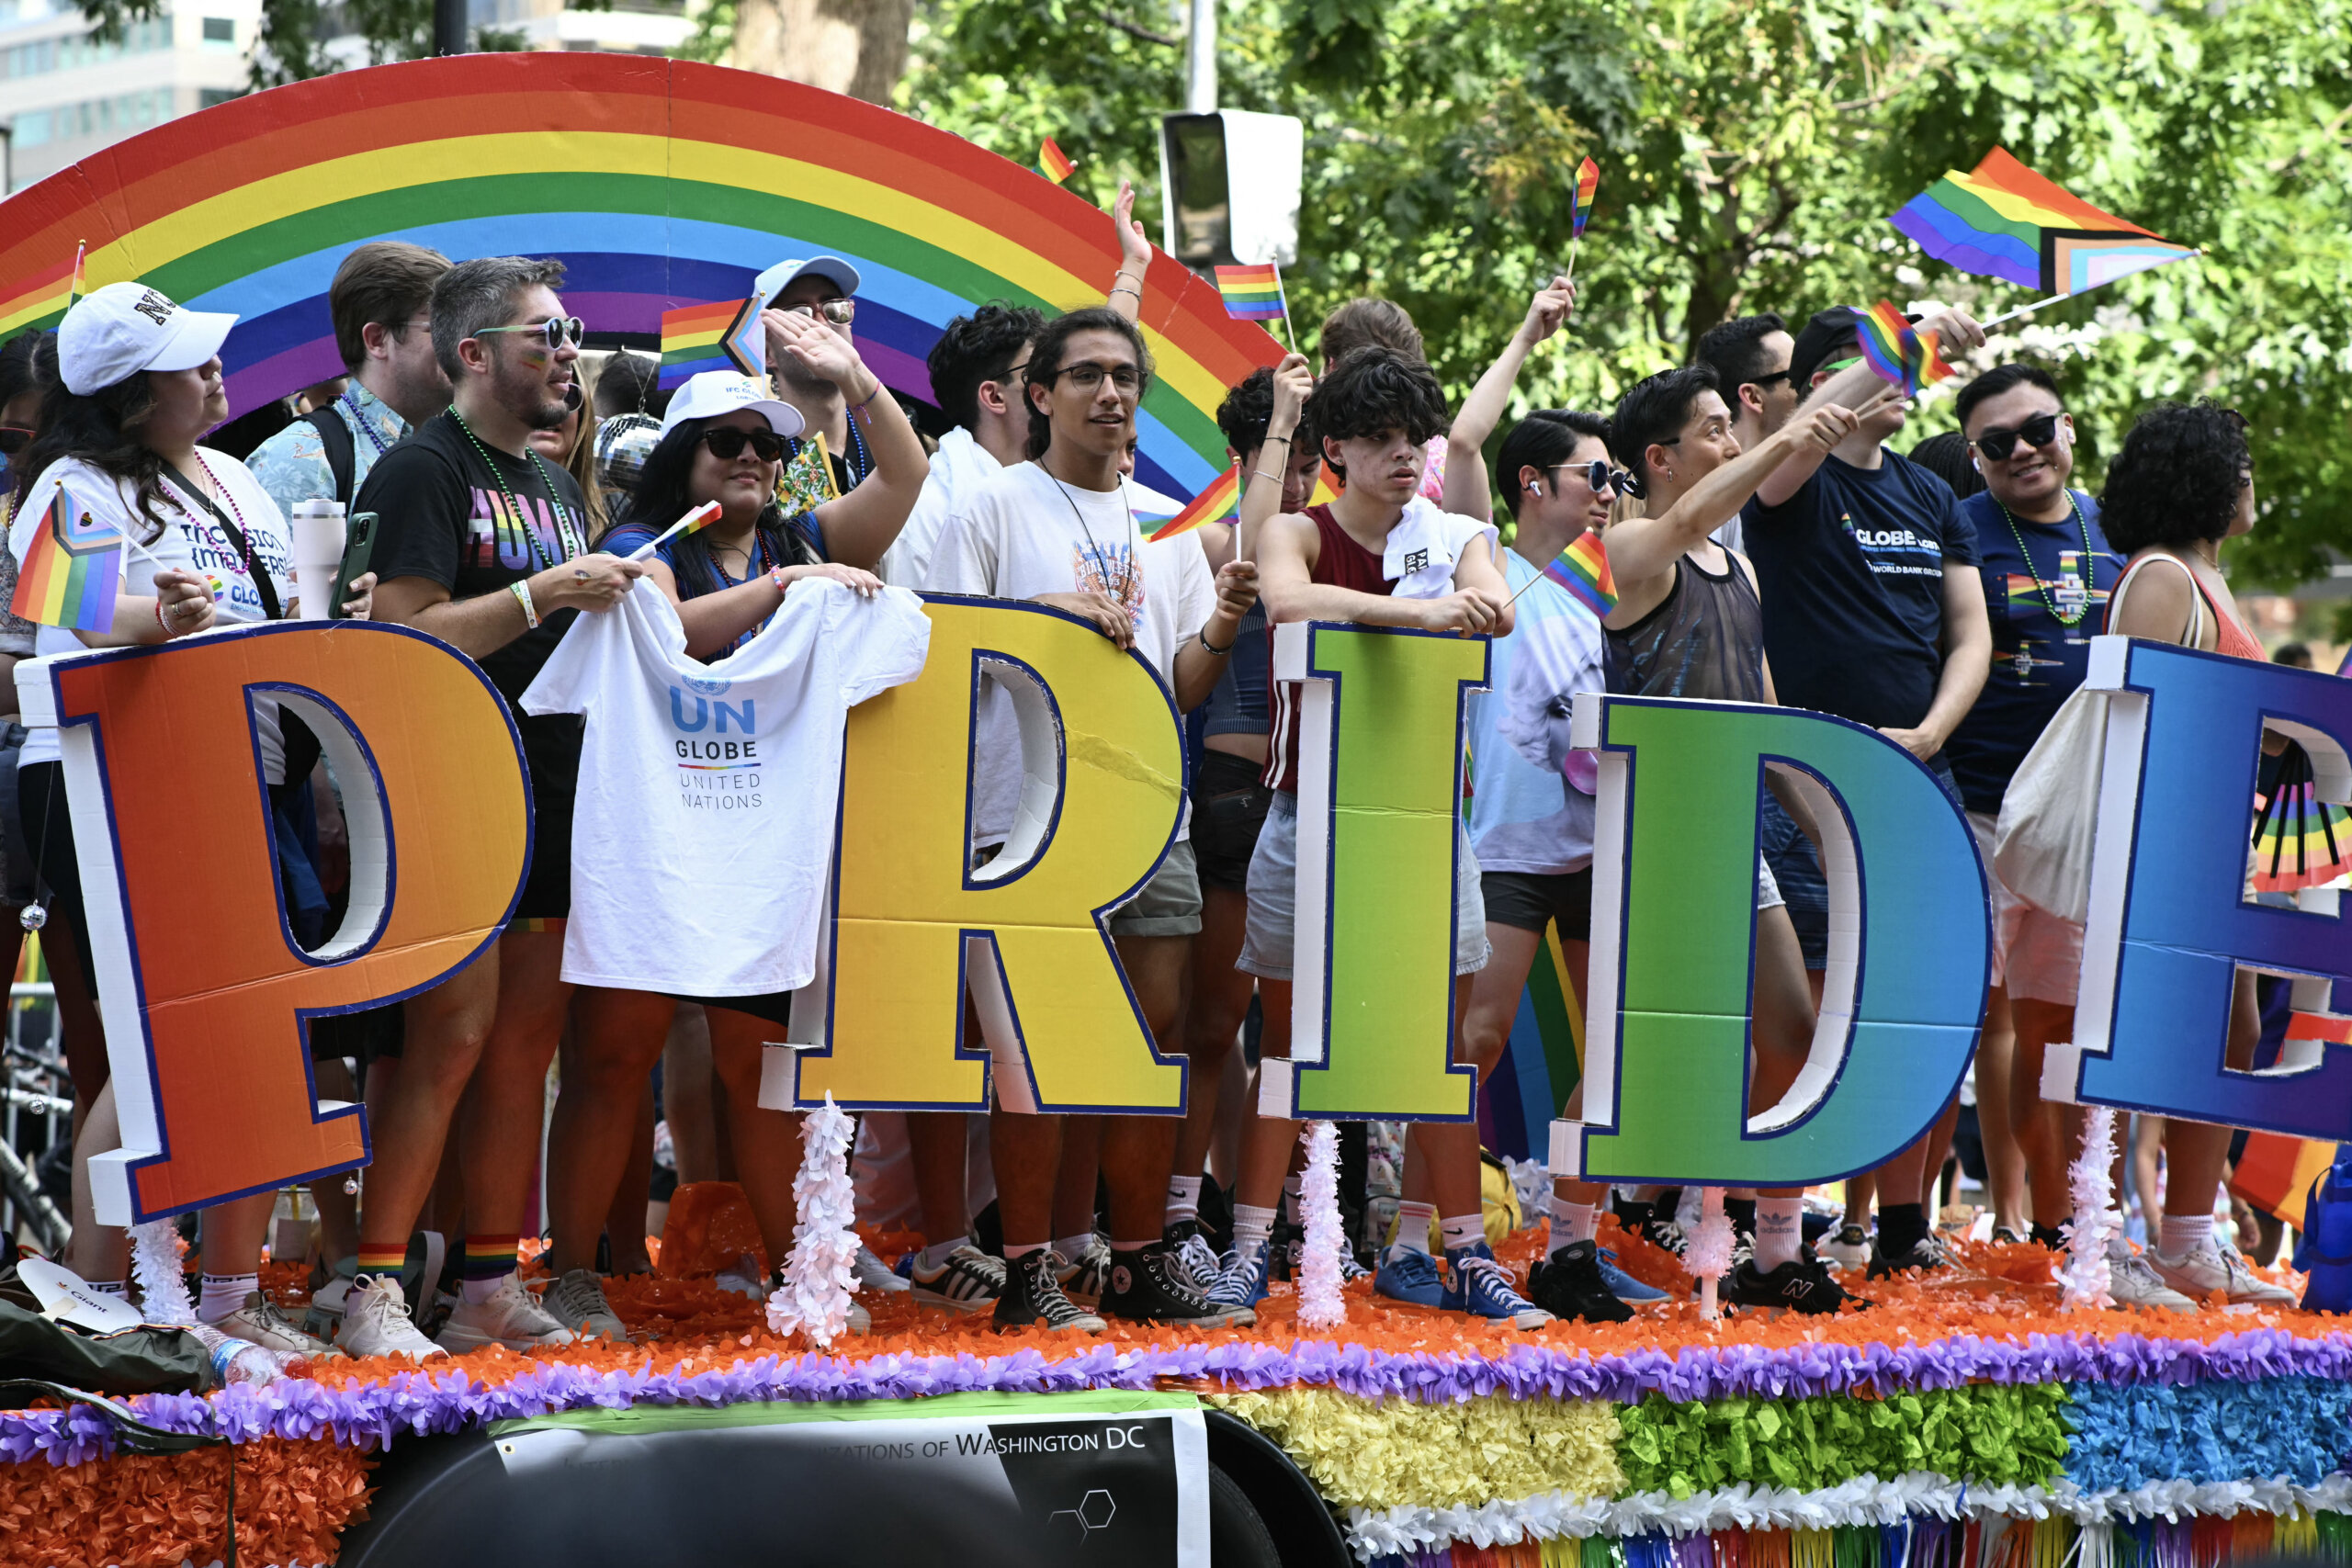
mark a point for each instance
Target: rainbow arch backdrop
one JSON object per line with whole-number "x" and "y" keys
{"x": 657, "y": 182}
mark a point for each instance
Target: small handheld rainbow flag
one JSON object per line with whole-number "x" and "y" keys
{"x": 694, "y": 522}
{"x": 724, "y": 336}
{"x": 1053, "y": 163}
{"x": 1252, "y": 293}
{"x": 1899, "y": 352}
{"x": 72, "y": 572}
{"x": 1587, "y": 183}
{"x": 1583, "y": 569}
{"x": 47, "y": 300}
{"x": 1211, "y": 505}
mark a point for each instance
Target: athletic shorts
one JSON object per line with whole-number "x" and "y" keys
{"x": 1228, "y": 808}
{"x": 2036, "y": 954}
{"x": 1167, "y": 904}
{"x": 1529, "y": 900}
{"x": 1795, "y": 871}
{"x": 546, "y": 887}
{"x": 1273, "y": 900}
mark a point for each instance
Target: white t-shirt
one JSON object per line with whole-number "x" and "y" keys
{"x": 1025, "y": 533}
{"x": 702, "y": 835}
{"x": 192, "y": 540}
{"x": 958, "y": 470}
{"x": 1524, "y": 814}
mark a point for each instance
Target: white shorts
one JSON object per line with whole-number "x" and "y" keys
{"x": 2036, "y": 954}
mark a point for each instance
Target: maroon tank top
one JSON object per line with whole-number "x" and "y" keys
{"x": 1341, "y": 563}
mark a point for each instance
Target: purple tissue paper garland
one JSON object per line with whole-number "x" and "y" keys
{"x": 370, "y": 1417}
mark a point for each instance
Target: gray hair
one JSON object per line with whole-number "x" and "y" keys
{"x": 482, "y": 293}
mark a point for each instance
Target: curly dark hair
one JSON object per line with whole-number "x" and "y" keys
{"x": 1371, "y": 391}
{"x": 1246, "y": 412}
{"x": 661, "y": 497}
{"x": 1046, "y": 358}
{"x": 980, "y": 347}
{"x": 2178, "y": 477}
{"x": 101, "y": 429}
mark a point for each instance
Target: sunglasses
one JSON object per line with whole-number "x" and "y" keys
{"x": 1600, "y": 477}
{"x": 1998, "y": 443}
{"x": 841, "y": 312}
{"x": 1766, "y": 381}
{"x": 14, "y": 439}
{"x": 559, "y": 331}
{"x": 727, "y": 442}
{"x": 1087, "y": 375}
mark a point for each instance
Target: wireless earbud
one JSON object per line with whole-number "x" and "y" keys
{"x": 1536, "y": 487}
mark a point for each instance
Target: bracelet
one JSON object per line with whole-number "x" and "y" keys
{"x": 1126, "y": 288}
{"x": 1212, "y": 650}
{"x": 522, "y": 592}
{"x": 158, "y": 618}
{"x": 776, "y": 575}
{"x": 1283, "y": 439}
{"x": 1261, "y": 473}
{"x": 878, "y": 389}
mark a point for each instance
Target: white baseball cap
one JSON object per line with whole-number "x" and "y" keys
{"x": 723, "y": 391}
{"x": 771, "y": 283}
{"x": 114, "y": 333}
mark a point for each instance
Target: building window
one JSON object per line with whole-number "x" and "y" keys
{"x": 210, "y": 97}
{"x": 220, "y": 30}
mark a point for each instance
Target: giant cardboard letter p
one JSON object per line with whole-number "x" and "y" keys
{"x": 206, "y": 996}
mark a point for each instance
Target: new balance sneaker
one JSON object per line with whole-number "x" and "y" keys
{"x": 1240, "y": 1279}
{"x": 511, "y": 1316}
{"x": 1149, "y": 1287}
{"x": 2210, "y": 1268}
{"x": 376, "y": 1322}
{"x": 1482, "y": 1287}
{"x": 1409, "y": 1277}
{"x": 1797, "y": 1285}
{"x": 1927, "y": 1256}
{"x": 969, "y": 1281}
{"x": 1194, "y": 1252}
{"x": 1569, "y": 1284}
{"x": 1850, "y": 1248}
{"x": 872, "y": 1274}
{"x": 2136, "y": 1287}
{"x": 1033, "y": 1298}
{"x": 1085, "y": 1277}
{"x": 1623, "y": 1286}
{"x": 259, "y": 1321}
{"x": 577, "y": 1301}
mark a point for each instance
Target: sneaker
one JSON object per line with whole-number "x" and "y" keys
{"x": 969, "y": 1281}
{"x": 741, "y": 1279}
{"x": 1409, "y": 1277}
{"x": 1661, "y": 1230}
{"x": 872, "y": 1274}
{"x": 1850, "y": 1248}
{"x": 1086, "y": 1276}
{"x": 1569, "y": 1285}
{"x": 1151, "y": 1287}
{"x": 1033, "y": 1298}
{"x": 577, "y": 1301}
{"x": 1484, "y": 1288}
{"x": 324, "y": 1316}
{"x": 1797, "y": 1286}
{"x": 1194, "y": 1252}
{"x": 2137, "y": 1287}
{"x": 1240, "y": 1279}
{"x": 512, "y": 1318}
{"x": 376, "y": 1322}
{"x": 1621, "y": 1285}
{"x": 2210, "y": 1268}
{"x": 259, "y": 1321}
{"x": 2003, "y": 1236}
{"x": 1925, "y": 1258}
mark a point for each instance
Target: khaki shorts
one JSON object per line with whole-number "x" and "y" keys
{"x": 2036, "y": 954}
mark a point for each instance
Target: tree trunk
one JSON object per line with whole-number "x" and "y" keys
{"x": 858, "y": 46}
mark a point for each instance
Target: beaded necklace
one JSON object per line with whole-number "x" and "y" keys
{"x": 2090, "y": 564}
{"x": 571, "y": 545}
{"x": 367, "y": 427}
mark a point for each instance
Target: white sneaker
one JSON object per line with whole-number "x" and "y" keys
{"x": 259, "y": 1321}
{"x": 743, "y": 1279}
{"x": 2138, "y": 1288}
{"x": 376, "y": 1323}
{"x": 512, "y": 1318}
{"x": 1847, "y": 1248}
{"x": 2210, "y": 1268}
{"x": 577, "y": 1301}
{"x": 872, "y": 1274}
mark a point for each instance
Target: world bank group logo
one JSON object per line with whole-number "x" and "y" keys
{"x": 709, "y": 686}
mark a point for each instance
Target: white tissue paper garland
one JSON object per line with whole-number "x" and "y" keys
{"x": 1320, "y": 1305}
{"x": 1531, "y": 1181}
{"x": 1708, "y": 1254}
{"x": 822, "y": 1274}
{"x": 157, "y": 1253}
{"x": 2083, "y": 1278}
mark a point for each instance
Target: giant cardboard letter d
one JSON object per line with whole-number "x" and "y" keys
{"x": 206, "y": 997}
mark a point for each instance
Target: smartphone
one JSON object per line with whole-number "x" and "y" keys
{"x": 358, "y": 547}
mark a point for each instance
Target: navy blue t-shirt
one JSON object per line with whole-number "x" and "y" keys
{"x": 2039, "y": 656}
{"x": 1851, "y": 570}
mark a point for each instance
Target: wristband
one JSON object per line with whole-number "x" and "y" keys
{"x": 1211, "y": 648}
{"x": 776, "y": 575}
{"x": 159, "y": 616}
{"x": 522, "y": 592}
{"x": 862, "y": 407}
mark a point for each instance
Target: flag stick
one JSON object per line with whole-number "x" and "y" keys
{"x": 1282, "y": 292}
{"x": 708, "y": 510}
{"x": 1571, "y": 274}
{"x": 2025, "y": 309}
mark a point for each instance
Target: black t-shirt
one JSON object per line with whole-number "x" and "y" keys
{"x": 1851, "y": 570}
{"x": 442, "y": 516}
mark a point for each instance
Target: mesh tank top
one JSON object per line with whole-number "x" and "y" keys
{"x": 1706, "y": 641}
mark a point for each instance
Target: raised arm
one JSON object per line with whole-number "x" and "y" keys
{"x": 1466, "y": 490}
{"x": 1956, "y": 332}
{"x": 1135, "y": 256}
{"x": 859, "y": 527}
{"x": 1261, "y": 487}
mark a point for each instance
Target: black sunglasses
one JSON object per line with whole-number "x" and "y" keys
{"x": 725, "y": 443}
{"x": 1598, "y": 476}
{"x": 1766, "y": 381}
{"x": 13, "y": 438}
{"x": 2039, "y": 431}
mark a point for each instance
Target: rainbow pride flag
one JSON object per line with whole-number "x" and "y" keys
{"x": 48, "y": 299}
{"x": 72, "y": 572}
{"x": 724, "y": 336}
{"x": 1053, "y": 163}
{"x": 1211, "y": 505}
{"x": 1251, "y": 293}
{"x": 1583, "y": 569}
{"x": 1588, "y": 184}
{"x": 1898, "y": 351}
{"x": 2299, "y": 841}
{"x": 2001, "y": 219}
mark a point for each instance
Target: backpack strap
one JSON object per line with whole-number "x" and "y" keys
{"x": 341, "y": 459}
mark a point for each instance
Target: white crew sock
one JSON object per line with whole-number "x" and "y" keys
{"x": 112, "y": 1288}
{"x": 224, "y": 1293}
{"x": 1253, "y": 1227}
{"x": 932, "y": 1259}
{"x": 1413, "y": 1226}
{"x": 476, "y": 1291}
{"x": 1017, "y": 1250}
{"x": 1572, "y": 1222}
{"x": 1779, "y": 1232}
{"x": 2180, "y": 1235}
{"x": 1073, "y": 1247}
{"x": 1463, "y": 1230}
{"x": 1183, "y": 1198}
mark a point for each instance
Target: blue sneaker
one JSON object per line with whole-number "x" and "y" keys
{"x": 1409, "y": 1277}
{"x": 1623, "y": 1286}
{"x": 1240, "y": 1279}
{"x": 1484, "y": 1288}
